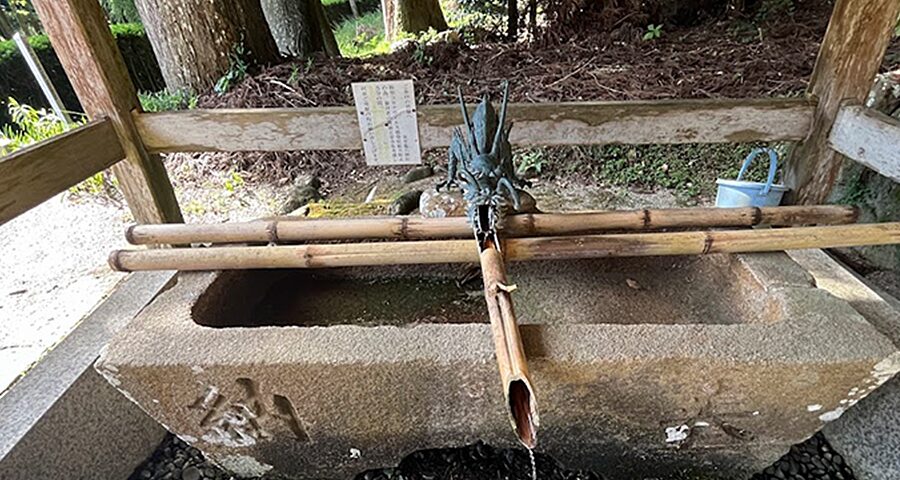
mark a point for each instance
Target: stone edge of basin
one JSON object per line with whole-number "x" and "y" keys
{"x": 815, "y": 327}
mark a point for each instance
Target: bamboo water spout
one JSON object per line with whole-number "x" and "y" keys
{"x": 511, "y": 360}
{"x": 285, "y": 229}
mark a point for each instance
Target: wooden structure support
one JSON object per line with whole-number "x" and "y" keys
{"x": 541, "y": 124}
{"x": 38, "y": 172}
{"x": 869, "y": 137}
{"x": 851, "y": 53}
{"x": 81, "y": 38}
{"x": 537, "y": 248}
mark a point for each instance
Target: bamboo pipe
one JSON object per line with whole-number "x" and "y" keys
{"x": 520, "y": 399}
{"x": 539, "y": 248}
{"x": 284, "y": 229}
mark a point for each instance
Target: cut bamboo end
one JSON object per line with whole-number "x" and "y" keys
{"x": 523, "y": 411}
{"x": 287, "y": 229}
{"x": 516, "y": 249}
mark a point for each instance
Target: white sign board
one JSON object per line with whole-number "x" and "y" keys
{"x": 387, "y": 122}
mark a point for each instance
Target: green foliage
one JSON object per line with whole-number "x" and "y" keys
{"x": 420, "y": 55}
{"x": 16, "y": 80}
{"x": 165, "y": 100}
{"x": 653, "y": 32}
{"x": 29, "y": 125}
{"x": 476, "y": 18}
{"x": 21, "y": 16}
{"x": 234, "y": 182}
{"x": 362, "y": 37}
{"x": 121, "y": 11}
{"x": 237, "y": 69}
{"x": 532, "y": 162}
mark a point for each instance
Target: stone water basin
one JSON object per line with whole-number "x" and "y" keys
{"x": 670, "y": 367}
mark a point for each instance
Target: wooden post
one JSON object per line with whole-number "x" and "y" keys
{"x": 80, "y": 35}
{"x": 851, "y": 53}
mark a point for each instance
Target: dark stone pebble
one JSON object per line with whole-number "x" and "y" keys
{"x": 405, "y": 204}
{"x": 175, "y": 460}
{"x": 813, "y": 459}
{"x": 190, "y": 473}
{"x": 418, "y": 173}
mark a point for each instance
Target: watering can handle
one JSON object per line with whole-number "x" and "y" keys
{"x": 773, "y": 166}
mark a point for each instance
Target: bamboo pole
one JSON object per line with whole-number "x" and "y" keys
{"x": 511, "y": 361}
{"x": 285, "y": 229}
{"x": 518, "y": 249}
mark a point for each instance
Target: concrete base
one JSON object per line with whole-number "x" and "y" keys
{"x": 868, "y": 435}
{"x": 62, "y": 420}
{"x": 707, "y": 366}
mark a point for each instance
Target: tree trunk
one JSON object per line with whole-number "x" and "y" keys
{"x": 354, "y": 8}
{"x": 512, "y": 20}
{"x": 192, "y": 39}
{"x": 411, "y": 16}
{"x": 300, "y": 27}
{"x": 532, "y": 18}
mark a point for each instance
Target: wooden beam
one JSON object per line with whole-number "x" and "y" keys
{"x": 869, "y": 137}
{"x": 81, "y": 38}
{"x": 849, "y": 58}
{"x": 38, "y": 172}
{"x": 582, "y": 123}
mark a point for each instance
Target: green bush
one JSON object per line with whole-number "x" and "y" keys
{"x": 16, "y": 80}
{"x": 165, "y": 101}
{"x": 121, "y": 11}
{"x": 29, "y": 125}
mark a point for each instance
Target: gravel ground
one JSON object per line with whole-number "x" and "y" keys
{"x": 813, "y": 459}
{"x": 54, "y": 256}
{"x": 54, "y": 273}
{"x": 175, "y": 460}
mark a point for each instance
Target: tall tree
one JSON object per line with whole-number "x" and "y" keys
{"x": 193, "y": 39}
{"x": 411, "y": 16}
{"x": 300, "y": 27}
{"x": 512, "y": 20}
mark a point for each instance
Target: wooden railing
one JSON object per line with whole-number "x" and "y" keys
{"x": 536, "y": 124}
{"x": 38, "y": 172}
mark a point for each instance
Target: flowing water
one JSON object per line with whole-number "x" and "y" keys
{"x": 533, "y": 464}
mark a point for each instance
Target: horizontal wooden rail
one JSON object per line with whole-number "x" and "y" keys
{"x": 539, "y": 124}
{"x": 869, "y": 137}
{"x": 38, "y": 172}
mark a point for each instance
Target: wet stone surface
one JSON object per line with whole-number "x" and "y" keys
{"x": 813, "y": 459}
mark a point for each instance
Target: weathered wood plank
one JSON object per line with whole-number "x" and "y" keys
{"x": 335, "y": 128}
{"x": 81, "y": 38}
{"x": 38, "y": 172}
{"x": 850, "y": 55}
{"x": 869, "y": 137}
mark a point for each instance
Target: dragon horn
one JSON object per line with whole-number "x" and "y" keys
{"x": 470, "y": 137}
{"x": 499, "y": 134}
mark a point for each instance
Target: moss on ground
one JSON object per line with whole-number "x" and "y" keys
{"x": 689, "y": 170}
